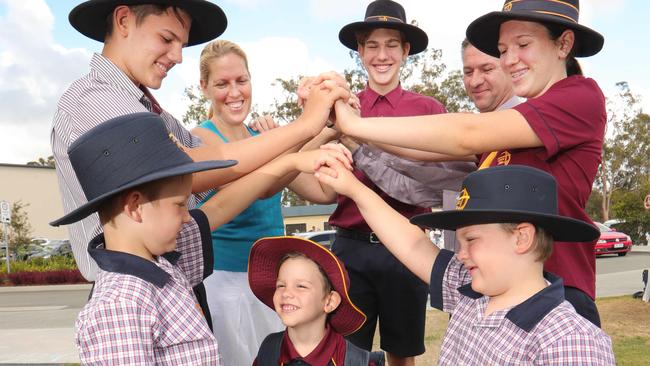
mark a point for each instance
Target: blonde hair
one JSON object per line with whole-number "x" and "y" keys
{"x": 543, "y": 243}
{"x": 215, "y": 50}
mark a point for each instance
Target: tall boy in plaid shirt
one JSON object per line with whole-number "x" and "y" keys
{"x": 505, "y": 308}
{"x": 135, "y": 175}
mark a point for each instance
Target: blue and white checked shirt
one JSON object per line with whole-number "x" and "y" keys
{"x": 543, "y": 330}
{"x": 144, "y": 313}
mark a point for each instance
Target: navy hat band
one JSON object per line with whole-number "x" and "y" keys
{"x": 549, "y": 7}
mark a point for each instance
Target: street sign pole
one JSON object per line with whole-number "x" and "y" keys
{"x": 5, "y": 231}
{"x": 5, "y": 217}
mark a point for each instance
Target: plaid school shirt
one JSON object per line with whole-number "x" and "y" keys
{"x": 143, "y": 312}
{"x": 543, "y": 330}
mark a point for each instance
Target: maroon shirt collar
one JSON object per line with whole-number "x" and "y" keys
{"x": 331, "y": 347}
{"x": 392, "y": 97}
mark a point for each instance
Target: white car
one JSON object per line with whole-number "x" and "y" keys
{"x": 324, "y": 238}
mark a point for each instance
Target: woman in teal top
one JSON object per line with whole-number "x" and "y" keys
{"x": 240, "y": 320}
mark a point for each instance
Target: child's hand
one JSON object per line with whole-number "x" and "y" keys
{"x": 338, "y": 148}
{"x": 338, "y": 177}
{"x": 309, "y": 161}
{"x": 263, "y": 123}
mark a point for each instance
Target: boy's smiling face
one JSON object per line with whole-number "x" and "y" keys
{"x": 382, "y": 55}
{"x": 150, "y": 49}
{"x": 163, "y": 217}
{"x": 487, "y": 252}
{"x": 300, "y": 297}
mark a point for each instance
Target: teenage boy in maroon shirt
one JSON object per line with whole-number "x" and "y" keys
{"x": 380, "y": 285}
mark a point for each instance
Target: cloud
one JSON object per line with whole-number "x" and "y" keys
{"x": 34, "y": 73}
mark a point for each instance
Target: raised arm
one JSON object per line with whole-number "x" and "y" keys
{"x": 406, "y": 241}
{"x": 273, "y": 143}
{"x": 237, "y": 196}
{"x": 456, "y": 134}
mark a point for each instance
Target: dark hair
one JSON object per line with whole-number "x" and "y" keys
{"x": 572, "y": 65}
{"x": 326, "y": 281}
{"x": 141, "y": 12}
{"x": 151, "y": 191}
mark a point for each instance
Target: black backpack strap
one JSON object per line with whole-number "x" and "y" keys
{"x": 269, "y": 352}
{"x": 355, "y": 356}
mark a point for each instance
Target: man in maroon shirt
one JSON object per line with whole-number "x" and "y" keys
{"x": 380, "y": 285}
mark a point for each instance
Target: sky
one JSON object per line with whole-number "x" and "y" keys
{"x": 41, "y": 54}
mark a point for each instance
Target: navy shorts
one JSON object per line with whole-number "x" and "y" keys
{"x": 385, "y": 290}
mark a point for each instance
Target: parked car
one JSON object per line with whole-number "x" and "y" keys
{"x": 54, "y": 248}
{"x": 612, "y": 241}
{"x": 324, "y": 238}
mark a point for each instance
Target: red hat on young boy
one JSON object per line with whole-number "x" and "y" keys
{"x": 263, "y": 266}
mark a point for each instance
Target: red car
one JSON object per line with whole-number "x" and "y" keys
{"x": 612, "y": 241}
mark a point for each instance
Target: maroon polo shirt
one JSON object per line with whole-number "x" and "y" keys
{"x": 570, "y": 120}
{"x": 397, "y": 103}
{"x": 330, "y": 348}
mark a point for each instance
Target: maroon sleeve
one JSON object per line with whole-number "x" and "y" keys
{"x": 571, "y": 113}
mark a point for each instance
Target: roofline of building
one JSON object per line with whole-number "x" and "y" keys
{"x": 26, "y": 166}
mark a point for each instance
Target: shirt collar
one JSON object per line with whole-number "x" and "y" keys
{"x": 129, "y": 264}
{"x": 514, "y": 101}
{"x": 108, "y": 72}
{"x": 321, "y": 355}
{"x": 530, "y": 312}
{"x": 392, "y": 96}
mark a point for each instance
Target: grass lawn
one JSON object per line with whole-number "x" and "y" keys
{"x": 625, "y": 320}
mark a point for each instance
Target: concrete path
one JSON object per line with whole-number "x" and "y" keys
{"x": 37, "y": 322}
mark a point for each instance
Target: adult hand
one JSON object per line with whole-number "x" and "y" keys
{"x": 263, "y": 123}
{"x": 320, "y": 102}
{"x": 345, "y": 116}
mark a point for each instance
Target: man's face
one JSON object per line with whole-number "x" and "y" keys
{"x": 147, "y": 51}
{"x": 485, "y": 81}
{"x": 382, "y": 55}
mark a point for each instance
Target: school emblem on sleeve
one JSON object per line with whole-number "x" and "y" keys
{"x": 507, "y": 6}
{"x": 463, "y": 198}
{"x": 504, "y": 158}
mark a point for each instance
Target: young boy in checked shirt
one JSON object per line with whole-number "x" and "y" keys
{"x": 135, "y": 175}
{"x": 505, "y": 309}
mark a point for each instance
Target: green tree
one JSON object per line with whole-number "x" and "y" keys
{"x": 20, "y": 230}
{"x": 49, "y": 161}
{"x": 198, "y": 107}
{"x": 625, "y": 149}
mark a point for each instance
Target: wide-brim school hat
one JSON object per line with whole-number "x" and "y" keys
{"x": 510, "y": 194}
{"x": 483, "y": 32}
{"x": 263, "y": 266}
{"x": 385, "y": 14}
{"x": 125, "y": 152}
{"x": 208, "y": 20}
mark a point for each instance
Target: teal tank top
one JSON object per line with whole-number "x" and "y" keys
{"x": 232, "y": 241}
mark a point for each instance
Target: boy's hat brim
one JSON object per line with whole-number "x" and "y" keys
{"x": 208, "y": 20}
{"x": 263, "y": 261}
{"x": 385, "y": 14}
{"x": 510, "y": 194}
{"x": 92, "y": 206}
{"x": 483, "y": 33}
{"x": 123, "y": 153}
{"x": 559, "y": 227}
